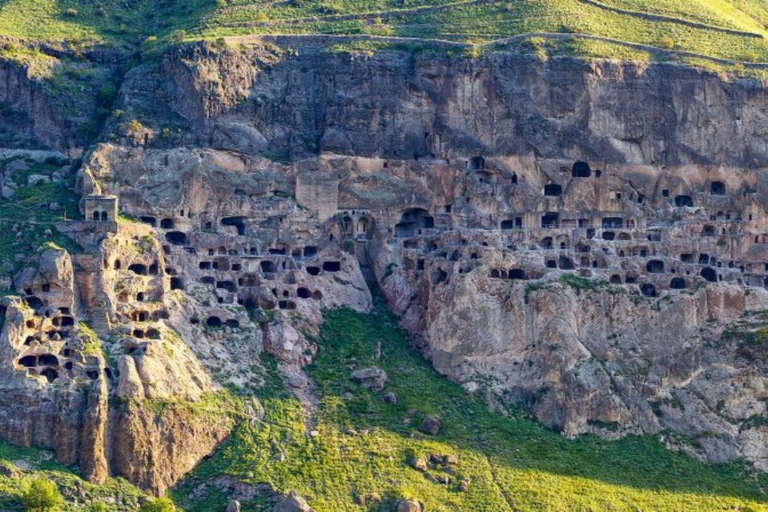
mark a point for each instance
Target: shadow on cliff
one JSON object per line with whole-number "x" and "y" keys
{"x": 363, "y": 446}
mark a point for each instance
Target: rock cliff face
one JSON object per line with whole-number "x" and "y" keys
{"x": 51, "y": 100}
{"x": 258, "y": 99}
{"x": 586, "y": 239}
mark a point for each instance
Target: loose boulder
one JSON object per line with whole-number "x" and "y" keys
{"x": 431, "y": 425}
{"x": 373, "y": 378}
{"x": 409, "y": 506}
{"x": 293, "y": 503}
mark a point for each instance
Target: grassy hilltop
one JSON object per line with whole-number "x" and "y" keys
{"x": 630, "y": 29}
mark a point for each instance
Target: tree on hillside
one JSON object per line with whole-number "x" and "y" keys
{"x": 41, "y": 495}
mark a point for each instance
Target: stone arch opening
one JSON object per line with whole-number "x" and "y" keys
{"x": 149, "y": 220}
{"x": 47, "y": 360}
{"x": 566, "y": 263}
{"x": 717, "y": 188}
{"x": 412, "y": 221}
{"x": 517, "y": 274}
{"x": 507, "y": 224}
{"x": 363, "y": 224}
{"x": 50, "y": 374}
{"x": 678, "y": 283}
{"x": 615, "y": 279}
{"x": 648, "y": 290}
{"x": 550, "y": 220}
{"x": 553, "y": 190}
{"x": 348, "y": 226}
{"x": 332, "y": 266}
{"x": 213, "y": 321}
{"x": 167, "y": 224}
{"x": 237, "y": 222}
{"x": 477, "y": 163}
{"x": 709, "y": 274}
{"x": 176, "y": 237}
{"x": 139, "y": 269}
{"x": 684, "y": 201}
{"x": 303, "y": 293}
{"x": 655, "y": 267}
{"x": 581, "y": 170}
{"x": 28, "y": 361}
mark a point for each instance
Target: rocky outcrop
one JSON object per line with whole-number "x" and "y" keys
{"x": 585, "y": 238}
{"x": 537, "y": 225}
{"x": 112, "y": 404}
{"x": 44, "y": 98}
{"x": 256, "y": 99}
{"x": 607, "y": 361}
{"x": 158, "y": 447}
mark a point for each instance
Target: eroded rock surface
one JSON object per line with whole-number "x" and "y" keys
{"x": 586, "y": 239}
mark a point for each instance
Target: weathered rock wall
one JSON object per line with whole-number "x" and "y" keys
{"x": 271, "y": 178}
{"x": 392, "y": 143}
{"x": 299, "y": 102}
{"x": 53, "y": 100}
{"x": 603, "y": 360}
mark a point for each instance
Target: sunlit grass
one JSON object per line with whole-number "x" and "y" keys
{"x": 112, "y": 22}
{"x": 363, "y": 447}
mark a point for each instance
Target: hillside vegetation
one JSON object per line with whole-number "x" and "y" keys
{"x": 724, "y": 29}
{"x": 355, "y": 451}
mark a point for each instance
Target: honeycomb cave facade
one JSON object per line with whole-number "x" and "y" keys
{"x": 551, "y": 246}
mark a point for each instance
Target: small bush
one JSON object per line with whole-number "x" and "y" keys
{"x": 41, "y": 495}
{"x": 135, "y": 126}
{"x": 158, "y": 505}
{"x": 71, "y": 12}
{"x": 751, "y": 56}
{"x": 667, "y": 43}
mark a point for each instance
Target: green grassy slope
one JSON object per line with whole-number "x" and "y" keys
{"x": 19, "y": 466}
{"x": 728, "y": 29}
{"x": 27, "y": 218}
{"x": 359, "y": 459}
